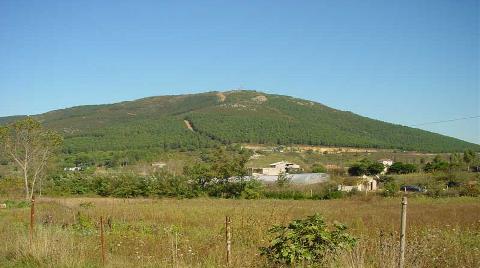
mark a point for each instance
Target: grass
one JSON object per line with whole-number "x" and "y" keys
{"x": 190, "y": 233}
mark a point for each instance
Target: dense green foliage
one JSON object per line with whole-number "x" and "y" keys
{"x": 318, "y": 168}
{"x": 402, "y": 168}
{"x": 220, "y": 173}
{"x": 156, "y": 124}
{"x": 437, "y": 165}
{"x": 307, "y": 241}
{"x": 283, "y": 180}
{"x": 365, "y": 167}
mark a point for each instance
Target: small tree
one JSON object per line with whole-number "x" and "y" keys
{"x": 307, "y": 241}
{"x": 389, "y": 189}
{"x": 468, "y": 158}
{"x": 365, "y": 167}
{"x": 402, "y": 168}
{"x": 375, "y": 168}
{"x": 29, "y": 146}
{"x": 358, "y": 169}
{"x": 283, "y": 179}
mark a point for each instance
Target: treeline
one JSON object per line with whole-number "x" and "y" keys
{"x": 217, "y": 173}
{"x": 468, "y": 161}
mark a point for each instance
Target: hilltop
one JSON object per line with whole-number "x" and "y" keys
{"x": 193, "y": 121}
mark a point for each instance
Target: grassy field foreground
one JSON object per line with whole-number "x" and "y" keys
{"x": 190, "y": 233}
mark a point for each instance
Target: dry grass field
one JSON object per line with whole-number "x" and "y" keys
{"x": 190, "y": 233}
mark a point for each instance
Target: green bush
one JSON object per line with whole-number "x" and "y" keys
{"x": 390, "y": 189}
{"x": 307, "y": 241}
{"x": 283, "y": 180}
{"x": 253, "y": 189}
{"x": 365, "y": 167}
{"x": 402, "y": 168}
{"x": 318, "y": 168}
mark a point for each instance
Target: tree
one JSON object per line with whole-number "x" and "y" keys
{"x": 29, "y": 146}
{"x": 436, "y": 165}
{"x": 375, "y": 168}
{"x": 221, "y": 172}
{"x": 365, "y": 167}
{"x": 468, "y": 158}
{"x": 283, "y": 180}
{"x": 402, "y": 168}
{"x": 358, "y": 169}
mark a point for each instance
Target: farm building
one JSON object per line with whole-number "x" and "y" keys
{"x": 364, "y": 183}
{"x": 277, "y": 168}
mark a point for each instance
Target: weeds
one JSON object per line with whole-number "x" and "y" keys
{"x": 443, "y": 232}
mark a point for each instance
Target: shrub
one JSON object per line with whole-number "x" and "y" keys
{"x": 307, "y": 241}
{"x": 357, "y": 169}
{"x": 470, "y": 190}
{"x": 365, "y": 167}
{"x": 332, "y": 193}
{"x": 318, "y": 168}
{"x": 390, "y": 189}
{"x": 253, "y": 189}
{"x": 402, "y": 168}
{"x": 386, "y": 179}
{"x": 283, "y": 180}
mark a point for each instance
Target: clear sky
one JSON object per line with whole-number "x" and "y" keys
{"x": 404, "y": 62}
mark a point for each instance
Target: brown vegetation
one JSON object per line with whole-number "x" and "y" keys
{"x": 190, "y": 233}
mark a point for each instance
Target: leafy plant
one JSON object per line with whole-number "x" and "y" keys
{"x": 283, "y": 180}
{"x": 365, "y": 167}
{"x": 389, "y": 189}
{"x": 402, "y": 168}
{"x": 318, "y": 168}
{"x": 307, "y": 241}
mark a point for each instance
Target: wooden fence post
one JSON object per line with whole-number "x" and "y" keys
{"x": 102, "y": 240}
{"x": 401, "y": 262}
{"x": 228, "y": 238}
{"x": 32, "y": 219}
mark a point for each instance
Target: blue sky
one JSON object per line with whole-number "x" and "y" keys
{"x": 405, "y": 62}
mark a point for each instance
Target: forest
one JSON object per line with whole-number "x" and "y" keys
{"x": 140, "y": 129}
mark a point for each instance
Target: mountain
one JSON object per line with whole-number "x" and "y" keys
{"x": 203, "y": 120}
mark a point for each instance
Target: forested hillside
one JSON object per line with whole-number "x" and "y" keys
{"x": 157, "y": 123}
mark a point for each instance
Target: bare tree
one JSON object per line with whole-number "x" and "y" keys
{"x": 29, "y": 146}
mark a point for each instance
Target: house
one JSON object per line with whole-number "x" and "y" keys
{"x": 277, "y": 168}
{"x": 363, "y": 184}
{"x": 386, "y": 164}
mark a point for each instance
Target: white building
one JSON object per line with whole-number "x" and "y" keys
{"x": 364, "y": 184}
{"x": 277, "y": 168}
{"x": 386, "y": 164}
